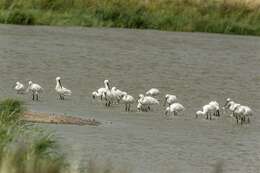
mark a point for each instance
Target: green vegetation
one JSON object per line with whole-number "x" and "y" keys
{"x": 217, "y": 16}
{"x": 25, "y": 148}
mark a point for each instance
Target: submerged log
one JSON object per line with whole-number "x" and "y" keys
{"x": 40, "y": 117}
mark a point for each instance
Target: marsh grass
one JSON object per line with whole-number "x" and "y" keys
{"x": 217, "y": 16}
{"x": 26, "y": 148}
{"x": 10, "y": 111}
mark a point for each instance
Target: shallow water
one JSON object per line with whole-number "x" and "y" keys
{"x": 195, "y": 67}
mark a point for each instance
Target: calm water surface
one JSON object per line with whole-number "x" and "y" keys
{"x": 195, "y": 67}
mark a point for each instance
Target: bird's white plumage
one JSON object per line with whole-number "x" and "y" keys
{"x": 61, "y": 90}
{"x": 153, "y": 92}
{"x": 175, "y": 108}
{"x": 19, "y": 87}
{"x": 170, "y": 99}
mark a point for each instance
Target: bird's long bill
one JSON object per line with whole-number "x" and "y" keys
{"x": 166, "y": 112}
{"x": 60, "y": 83}
{"x": 164, "y": 103}
{"x": 108, "y": 86}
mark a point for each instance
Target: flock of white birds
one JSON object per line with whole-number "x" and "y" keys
{"x": 113, "y": 95}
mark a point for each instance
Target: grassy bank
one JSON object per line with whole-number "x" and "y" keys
{"x": 216, "y": 16}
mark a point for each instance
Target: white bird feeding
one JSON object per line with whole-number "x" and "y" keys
{"x": 117, "y": 94}
{"x": 99, "y": 93}
{"x": 96, "y": 94}
{"x": 128, "y": 100}
{"x": 153, "y": 92}
{"x": 207, "y": 111}
{"x": 175, "y": 108}
{"x": 145, "y": 102}
{"x": 215, "y": 105}
{"x": 19, "y": 88}
{"x": 231, "y": 105}
{"x": 241, "y": 112}
{"x": 35, "y": 89}
{"x": 62, "y": 91}
{"x": 170, "y": 99}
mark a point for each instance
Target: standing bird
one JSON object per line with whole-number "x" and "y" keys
{"x": 35, "y": 89}
{"x": 207, "y": 111}
{"x": 241, "y": 112}
{"x": 174, "y": 108}
{"x": 96, "y": 94}
{"x": 231, "y": 105}
{"x": 99, "y": 93}
{"x": 153, "y": 92}
{"x": 109, "y": 96}
{"x": 19, "y": 88}
{"x": 62, "y": 91}
{"x": 169, "y": 99}
{"x": 216, "y": 106}
{"x": 145, "y": 102}
{"x": 128, "y": 100}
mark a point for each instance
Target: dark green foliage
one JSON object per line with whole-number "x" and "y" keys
{"x": 20, "y": 17}
{"x": 221, "y": 16}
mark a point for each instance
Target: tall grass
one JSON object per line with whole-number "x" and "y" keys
{"x": 25, "y": 148}
{"x": 217, "y": 16}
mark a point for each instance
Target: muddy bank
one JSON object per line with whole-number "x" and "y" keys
{"x": 41, "y": 117}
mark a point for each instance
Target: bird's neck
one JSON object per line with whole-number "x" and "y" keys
{"x": 58, "y": 84}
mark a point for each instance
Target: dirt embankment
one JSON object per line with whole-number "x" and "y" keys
{"x": 40, "y": 117}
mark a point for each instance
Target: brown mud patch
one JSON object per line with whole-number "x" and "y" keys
{"x": 41, "y": 117}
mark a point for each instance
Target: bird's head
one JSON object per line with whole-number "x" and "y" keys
{"x": 58, "y": 78}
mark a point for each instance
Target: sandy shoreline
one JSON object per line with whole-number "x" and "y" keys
{"x": 41, "y": 117}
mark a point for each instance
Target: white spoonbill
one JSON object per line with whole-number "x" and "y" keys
{"x": 128, "y": 100}
{"x": 99, "y": 93}
{"x": 170, "y": 99}
{"x": 19, "y": 88}
{"x": 96, "y": 94}
{"x": 174, "y": 108}
{"x": 207, "y": 111}
{"x": 216, "y": 106}
{"x": 241, "y": 112}
{"x": 117, "y": 94}
{"x": 147, "y": 101}
{"x": 35, "y": 89}
{"x": 153, "y": 92}
{"x": 62, "y": 91}
{"x": 109, "y": 96}
{"x": 231, "y": 105}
